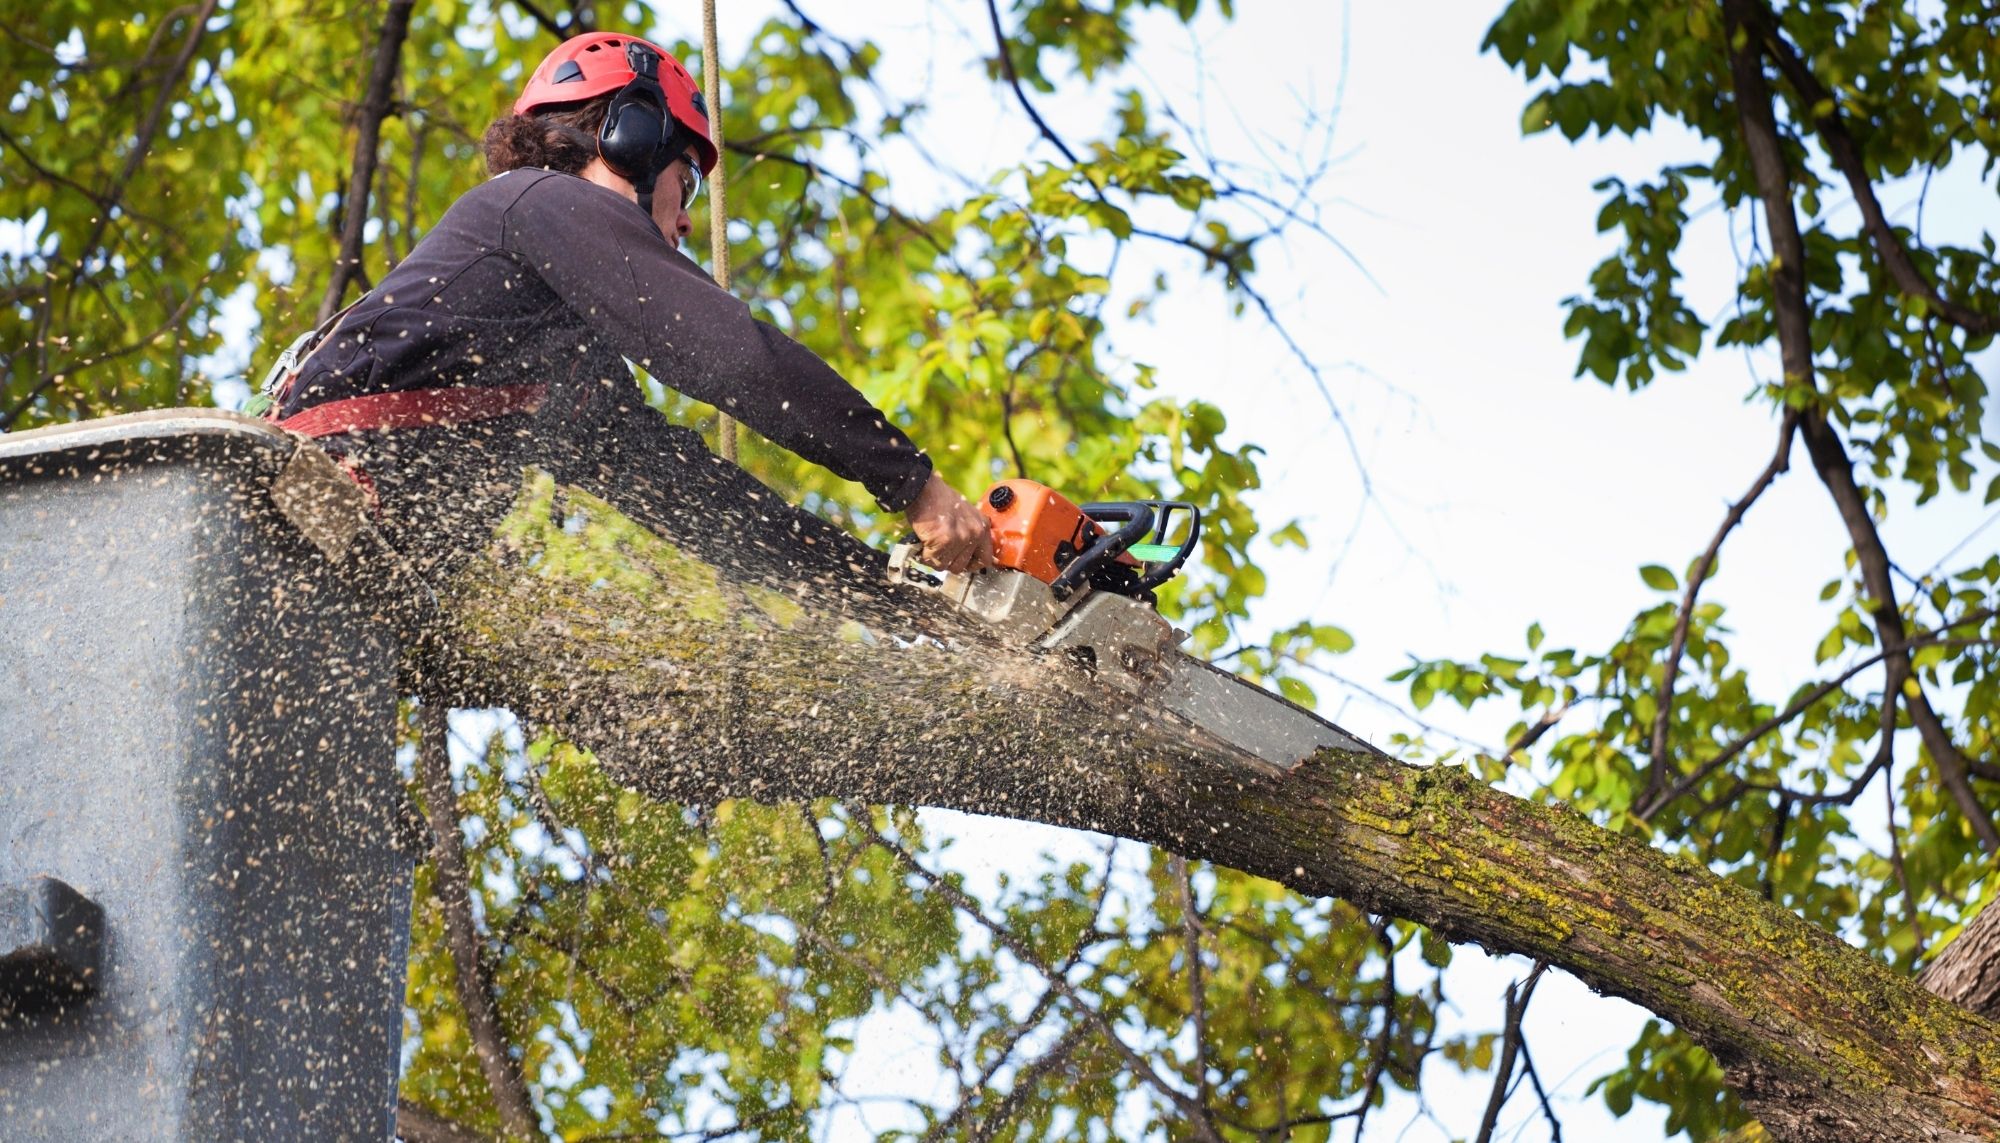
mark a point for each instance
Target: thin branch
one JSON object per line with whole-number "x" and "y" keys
{"x": 1824, "y": 111}
{"x": 1014, "y": 80}
{"x": 452, "y": 885}
{"x": 992, "y": 1124}
{"x": 1510, "y": 1047}
{"x": 548, "y": 24}
{"x": 1779, "y": 824}
{"x": 1797, "y": 707}
{"x": 1378, "y": 1056}
{"x": 142, "y": 142}
{"x": 1703, "y": 566}
{"x": 52, "y": 376}
{"x": 1533, "y": 733}
{"x": 1192, "y": 934}
{"x": 1195, "y": 1115}
{"x": 1090, "y": 935}
{"x": 375, "y": 107}
{"x": 416, "y": 1123}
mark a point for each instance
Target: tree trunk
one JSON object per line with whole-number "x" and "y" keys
{"x": 1967, "y": 972}
{"x": 697, "y": 674}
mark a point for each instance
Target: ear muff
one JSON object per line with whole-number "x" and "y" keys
{"x": 637, "y": 132}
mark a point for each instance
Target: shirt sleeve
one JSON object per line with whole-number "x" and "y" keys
{"x": 650, "y": 303}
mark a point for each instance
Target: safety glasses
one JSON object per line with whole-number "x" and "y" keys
{"x": 690, "y": 181}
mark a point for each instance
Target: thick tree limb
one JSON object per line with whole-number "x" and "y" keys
{"x": 375, "y": 105}
{"x": 1824, "y": 111}
{"x": 1825, "y": 1043}
{"x": 453, "y": 887}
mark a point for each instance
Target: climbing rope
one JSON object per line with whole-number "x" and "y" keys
{"x": 718, "y": 194}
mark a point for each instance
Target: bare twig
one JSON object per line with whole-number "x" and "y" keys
{"x": 375, "y": 106}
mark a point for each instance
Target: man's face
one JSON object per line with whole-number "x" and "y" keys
{"x": 673, "y": 198}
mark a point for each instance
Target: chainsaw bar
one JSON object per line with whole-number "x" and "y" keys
{"x": 1123, "y": 643}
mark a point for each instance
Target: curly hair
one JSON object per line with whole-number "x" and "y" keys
{"x": 560, "y": 138}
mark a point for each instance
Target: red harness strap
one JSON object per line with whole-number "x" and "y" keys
{"x": 415, "y": 408}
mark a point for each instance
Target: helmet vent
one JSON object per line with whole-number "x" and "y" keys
{"x": 569, "y": 72}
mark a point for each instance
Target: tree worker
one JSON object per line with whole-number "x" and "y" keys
{"x": 504, "y": 337}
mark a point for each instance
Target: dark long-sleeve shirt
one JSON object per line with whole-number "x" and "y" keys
{"x": 538, "y": 277}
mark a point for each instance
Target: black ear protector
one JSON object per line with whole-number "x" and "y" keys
{"x": 638, "y": 135}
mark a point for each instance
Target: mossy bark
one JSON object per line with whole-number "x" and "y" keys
{"x": 696, "y": 679}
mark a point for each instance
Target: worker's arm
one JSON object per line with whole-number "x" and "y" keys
{"x": 606, "y": 260}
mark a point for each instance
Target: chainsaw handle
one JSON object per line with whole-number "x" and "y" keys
{"x": 1163, "y": 570}
{"x": 1106, "y": 548}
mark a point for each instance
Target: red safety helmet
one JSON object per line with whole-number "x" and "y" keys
{"x": 588, "y": 66}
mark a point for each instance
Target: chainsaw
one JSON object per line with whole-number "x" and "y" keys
{"x": 1078, "y": 583}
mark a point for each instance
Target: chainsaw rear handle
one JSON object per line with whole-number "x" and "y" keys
{"x": 1104, "y": 549}
{"x": 1163, "y": 570}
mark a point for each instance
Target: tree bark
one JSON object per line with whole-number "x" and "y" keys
{"x": 826, "y": 682}
{"x": 1967, "y": 972}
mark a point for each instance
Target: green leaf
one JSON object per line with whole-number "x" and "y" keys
{"x": 1659, "y": 578}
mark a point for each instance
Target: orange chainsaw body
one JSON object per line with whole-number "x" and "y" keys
{"x": 1036, "y": 529}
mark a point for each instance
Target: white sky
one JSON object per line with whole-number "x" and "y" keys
{"x": 1509, "y": 492}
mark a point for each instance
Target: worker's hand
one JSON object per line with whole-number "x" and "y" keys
{"x": 954, "y": 535}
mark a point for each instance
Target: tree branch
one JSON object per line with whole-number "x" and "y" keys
{"x": 1792, "y": 305}
{"x": 1191, "y": 935}
{"x": 1824, "y": 111}
{"x": 416, "y": 1123}
{"x": 453, "y": 887}
{"x": 1772, "y": 995}
{"x": 1511, "y": 1045}
{"x": 1195, "y": 1114}
{"x": 376, "y": 103}
{"x": 990, "y": 1125}
{"x": 142, "y": 142}
{"x": 1020, "y": 93}
{"x": 541, "y": 17}
{"x": 1656, "y": 773}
